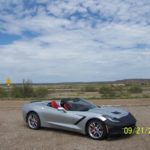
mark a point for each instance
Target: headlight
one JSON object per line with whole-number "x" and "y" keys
{"x": 111, "y": 118}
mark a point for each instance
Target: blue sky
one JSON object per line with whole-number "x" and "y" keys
{"x": 74, "y": 40}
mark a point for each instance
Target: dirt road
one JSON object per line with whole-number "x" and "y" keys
{"x": 14, "y": 135}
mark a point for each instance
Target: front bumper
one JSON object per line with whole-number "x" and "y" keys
{"x": 114, "y": 128}
{"x": 119, "y": 130}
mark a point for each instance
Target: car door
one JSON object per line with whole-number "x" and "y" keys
{"x": 56, "y": 117}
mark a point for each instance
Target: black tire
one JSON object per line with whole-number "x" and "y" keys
{"x": 33, "y": 121}
{"x": 97, "y": 131}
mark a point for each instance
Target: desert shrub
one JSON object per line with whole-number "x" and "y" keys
{"x": 107, "y": 92}
{"x": 17, "y": 92}
{"x": 41, "y": 92}
{"x": 3, "y": 92}
{"x": 23, "y": 91}
{"x": 135, "y": 89}
{"x": 89, "y": 88}
{"x": 26, "y": 90}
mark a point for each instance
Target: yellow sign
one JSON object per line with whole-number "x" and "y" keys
{"x": 8, "y": 82}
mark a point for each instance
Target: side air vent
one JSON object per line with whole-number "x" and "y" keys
{"x": 116, "y": 112}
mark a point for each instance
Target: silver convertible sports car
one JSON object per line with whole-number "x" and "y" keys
{"x": 78, "y": 115}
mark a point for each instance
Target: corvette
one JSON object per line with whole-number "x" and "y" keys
{"x": 78, "y": 115}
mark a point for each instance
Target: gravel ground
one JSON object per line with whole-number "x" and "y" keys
{"x": 14, "y": 135}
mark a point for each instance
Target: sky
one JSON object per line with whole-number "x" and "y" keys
{"x": 74, "y": 40}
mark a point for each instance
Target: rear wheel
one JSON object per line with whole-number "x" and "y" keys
{"x": 33, "y": 121}
{"x": 96, "y": 129}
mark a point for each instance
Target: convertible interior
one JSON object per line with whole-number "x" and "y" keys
{"x": 75, "y": 104}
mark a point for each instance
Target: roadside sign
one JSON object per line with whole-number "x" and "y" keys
{"x": 8, "y": 82}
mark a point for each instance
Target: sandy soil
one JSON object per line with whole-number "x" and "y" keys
{"x": 14, "y": 135}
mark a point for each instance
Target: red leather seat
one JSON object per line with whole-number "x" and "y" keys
{"x": 54, "y": 104}
{"x": 67, "y": 106}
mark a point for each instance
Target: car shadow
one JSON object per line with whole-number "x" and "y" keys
{"x": 119, "y": 137}
{"x": 63, "y": 131}
{"x": 109, "y": 137}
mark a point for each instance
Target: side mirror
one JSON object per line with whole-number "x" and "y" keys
{"x": 61, "y": 109}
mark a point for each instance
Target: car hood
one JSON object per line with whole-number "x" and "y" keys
{"x": 110, "y": 111}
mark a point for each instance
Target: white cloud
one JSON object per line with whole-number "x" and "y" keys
{"x": 69, "y": 47}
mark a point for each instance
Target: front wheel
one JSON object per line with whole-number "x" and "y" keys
{"x": 96, "y": 129}
{"x": 33, "y": 121}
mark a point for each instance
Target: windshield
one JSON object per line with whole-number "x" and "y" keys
{"x": 77, "y": 104}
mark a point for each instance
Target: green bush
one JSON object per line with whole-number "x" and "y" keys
{"x": 89, "y": 89}
{"x": 17, "y": 92}
{"x": 26, "y": 90}
{"x": 41, "y": 92}
{"x": 135, "y": 89}
{"x": 23, "y": 91}
{"x": 3, "y": 92}
{"x": 107, "y": 92}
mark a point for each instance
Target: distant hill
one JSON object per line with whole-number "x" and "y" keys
{"x": 131, "y": 81}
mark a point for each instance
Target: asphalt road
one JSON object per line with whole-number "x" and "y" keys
{"x": 14, "y": 135}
